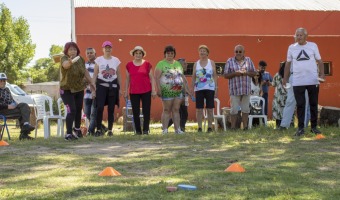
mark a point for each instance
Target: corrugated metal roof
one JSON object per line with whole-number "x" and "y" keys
{"x": 315, "y": 5}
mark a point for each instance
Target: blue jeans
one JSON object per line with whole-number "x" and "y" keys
{"x": 265, "y": 96}
{"x": 90, "y": 111}
{"x": 288, "y": 110}
{"x": 87, "y": 108}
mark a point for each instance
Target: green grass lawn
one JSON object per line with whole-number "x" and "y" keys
{"x": 278, "y": 166}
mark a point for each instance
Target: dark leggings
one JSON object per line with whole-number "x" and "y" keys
{"x": 146, "y": 106}
{"x": 102, "y": 97}
{"x": 73, "y": 105}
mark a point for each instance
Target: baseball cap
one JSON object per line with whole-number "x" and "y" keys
{"x": 3, "y": 76}
{"x": 107, "y": 43}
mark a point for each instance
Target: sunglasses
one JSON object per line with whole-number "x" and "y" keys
{"x": 238, "y": 51}
{"x": 204, "y": 71}
{"x": 2, "y": 80}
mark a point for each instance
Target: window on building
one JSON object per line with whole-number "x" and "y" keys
{"x": 220, "y": 67}
{"x": 328, "y": 68}
{"x": 190, "y": 67}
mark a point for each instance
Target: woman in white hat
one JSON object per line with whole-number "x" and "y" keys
{"x": 140, "y": 80}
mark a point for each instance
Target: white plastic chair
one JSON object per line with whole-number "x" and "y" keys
{"x": 255, "y": 100}
{"x": 217, "y": 115}
{"x": 62, "y": 120}
{"x": 40, "y": 103}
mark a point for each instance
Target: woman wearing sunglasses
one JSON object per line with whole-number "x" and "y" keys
{"x": 204, "y": 81}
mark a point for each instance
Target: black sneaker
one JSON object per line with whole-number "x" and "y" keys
{"x": 199, "y": 130}
{"x": 27, "y": 127}
{"x": 78, "y": 133}
{"x": 109, "y": 133}
{"x": 300, "y": 132}
{"x": 315, "y": 131}
{"x": 70, "y": 137}
{"x": 104, "y": 129}
{"x": 98, "y": 133}
{"x": 25, "y": 136}
{"x": 209, "y": 130}
{"x": 145, "y": 132}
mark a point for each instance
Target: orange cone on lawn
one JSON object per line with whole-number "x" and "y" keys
{"x": 235, "y": 167}
{"x": 319, "y": 136}
{"x": 3, "y": 143}
{"x": 109, "y": 171}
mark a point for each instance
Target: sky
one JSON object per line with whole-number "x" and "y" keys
{"x": 49, "y": 21}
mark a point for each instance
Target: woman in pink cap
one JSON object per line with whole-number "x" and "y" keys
{"x": 108, "y": 80}
{"x": 140, "y": 80}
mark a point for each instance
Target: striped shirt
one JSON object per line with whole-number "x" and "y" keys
{"x": 90, "y": 68}
{"x": 239, "y": 85}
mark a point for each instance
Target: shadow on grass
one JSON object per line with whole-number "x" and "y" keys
{"x": 278, "y": 166}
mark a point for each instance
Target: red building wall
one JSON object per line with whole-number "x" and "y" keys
{"x": 266, "y": 35}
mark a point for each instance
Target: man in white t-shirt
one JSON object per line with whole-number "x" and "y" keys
{"x": 303, "y": 56}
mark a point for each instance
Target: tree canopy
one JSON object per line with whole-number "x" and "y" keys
{"x": 16, "y": 47}
{"x": 45, "y": 69}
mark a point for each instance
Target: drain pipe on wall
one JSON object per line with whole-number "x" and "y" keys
{"x": 73, "y": 23}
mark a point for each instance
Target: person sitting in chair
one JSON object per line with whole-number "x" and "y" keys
{"x": 10, "y": 108}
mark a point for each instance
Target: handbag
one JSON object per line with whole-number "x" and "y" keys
{"x": 255, "y": 109}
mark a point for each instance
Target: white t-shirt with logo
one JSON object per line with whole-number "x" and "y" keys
{"x": 107, "y": 68}
{"x": 303, "y": 59}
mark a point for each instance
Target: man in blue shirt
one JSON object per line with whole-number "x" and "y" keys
{"x": 266, "y": 82}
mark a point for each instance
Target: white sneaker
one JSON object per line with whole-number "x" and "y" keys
{"x": 165, "y": 131}
{"x": 179, "y": 131}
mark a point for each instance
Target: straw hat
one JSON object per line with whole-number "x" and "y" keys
{"x": 138, "y": 48}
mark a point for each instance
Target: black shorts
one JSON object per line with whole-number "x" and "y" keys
{"x": 208, "y": 96}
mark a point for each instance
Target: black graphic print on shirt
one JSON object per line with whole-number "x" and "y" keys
{"x": 302, "y": 56}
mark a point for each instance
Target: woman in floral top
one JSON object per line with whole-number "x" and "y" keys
{"x": 170, "y": 82}
{"x": 280, "y": 95}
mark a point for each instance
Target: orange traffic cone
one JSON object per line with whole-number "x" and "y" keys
{"x": 109, "y": 171}
{"x": 319, "y": 136}
{"x": 235, "y": 167}
{"x": 3, "y": 143}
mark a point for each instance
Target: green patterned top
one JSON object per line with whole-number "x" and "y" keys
{"x": 171, "y": 79}
{"x": 72, "y": 78}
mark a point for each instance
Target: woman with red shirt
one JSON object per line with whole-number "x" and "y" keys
{"x": 141, "y": 82}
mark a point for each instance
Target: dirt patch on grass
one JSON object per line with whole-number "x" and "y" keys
{"x": 94, "y": 148}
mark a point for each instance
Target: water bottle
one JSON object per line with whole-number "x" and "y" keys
{"x": 186, "y": 100}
